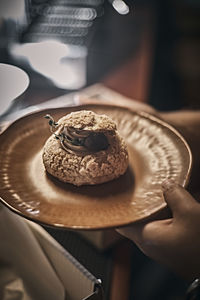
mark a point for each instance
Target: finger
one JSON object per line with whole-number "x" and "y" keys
{"x": 177, "y": 198}
{"x": 142, "y": 230}
{"x": 132, "y": 232}
{"x": 149, "y": 237}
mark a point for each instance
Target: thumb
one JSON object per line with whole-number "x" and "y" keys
{"x": 177, "y": 198}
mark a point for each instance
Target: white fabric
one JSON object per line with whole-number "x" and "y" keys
{"x": 24, "y": 263}
{"x": 78, "y": 282}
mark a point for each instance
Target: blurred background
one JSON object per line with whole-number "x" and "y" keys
{"x": 145, "y": 50}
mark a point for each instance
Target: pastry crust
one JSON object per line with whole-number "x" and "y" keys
{"x": 86, "y": 168}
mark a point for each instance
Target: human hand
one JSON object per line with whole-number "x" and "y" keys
{"x": 175, "y": 241}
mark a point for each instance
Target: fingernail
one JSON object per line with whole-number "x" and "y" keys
{"x": 168, "y": 185}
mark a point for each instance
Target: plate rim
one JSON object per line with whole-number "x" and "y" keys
{"x": 142, "y": 114}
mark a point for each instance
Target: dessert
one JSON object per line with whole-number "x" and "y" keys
{"x": 85, "y": 148}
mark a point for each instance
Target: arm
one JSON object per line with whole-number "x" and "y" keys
{"x": 175, "y": 241}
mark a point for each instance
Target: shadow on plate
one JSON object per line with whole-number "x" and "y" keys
{"x": 121, "y": 185}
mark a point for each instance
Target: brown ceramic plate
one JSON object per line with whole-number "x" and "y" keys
{"x": 156, "y": 152}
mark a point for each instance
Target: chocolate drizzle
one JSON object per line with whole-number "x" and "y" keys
{"x": 84, "y": 141}
{"x": 79, "y": 140}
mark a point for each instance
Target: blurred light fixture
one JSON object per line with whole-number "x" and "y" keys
{"x": 10, "y": 9}
{"x": 120, "y": 6}
{"x": 76, "y": 13}
{"x": 13, "y": 83}
{"x": 64, "y": 64}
